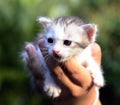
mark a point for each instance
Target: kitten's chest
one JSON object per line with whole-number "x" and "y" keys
{"x": 84, "y": 56}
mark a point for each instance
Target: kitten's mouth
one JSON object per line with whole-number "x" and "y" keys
{"x": 60, "y": 58}
{"x": 57, "y": 57}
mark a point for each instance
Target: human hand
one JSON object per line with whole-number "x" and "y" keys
{"x": 75, "y": 81}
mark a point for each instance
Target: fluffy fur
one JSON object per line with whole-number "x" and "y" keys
{"x": 67, "y": 37}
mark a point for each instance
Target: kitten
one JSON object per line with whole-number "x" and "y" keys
{"x": 66, "y": 37}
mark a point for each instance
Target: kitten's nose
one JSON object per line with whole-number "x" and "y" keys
{"x": 55, "y": 52}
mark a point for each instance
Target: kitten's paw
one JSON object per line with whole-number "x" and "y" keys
{"x": 52, "y": 89}
{"x": 98, "y": 80}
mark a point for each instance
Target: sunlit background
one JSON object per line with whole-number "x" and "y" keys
{"x": 18, "y": 24}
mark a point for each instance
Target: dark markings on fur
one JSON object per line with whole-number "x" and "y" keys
{"x": 67, "y": 20}
{"x": 82, "y": 45}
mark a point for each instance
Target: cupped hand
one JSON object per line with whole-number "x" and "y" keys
{"x": 75, "y": 82}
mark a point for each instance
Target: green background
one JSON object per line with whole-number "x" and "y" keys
{"x": 18, "y": 24}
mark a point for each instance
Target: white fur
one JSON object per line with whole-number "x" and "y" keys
{"x": 92, "y": 66}
{"x": 73, "y": 33}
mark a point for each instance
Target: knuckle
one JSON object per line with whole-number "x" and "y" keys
{"x": 77, "y": 93}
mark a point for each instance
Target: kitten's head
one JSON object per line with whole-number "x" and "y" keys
{"x": 67, "y": 36}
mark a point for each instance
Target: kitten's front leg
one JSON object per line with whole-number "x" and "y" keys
{"x": 97, "y": 78}
{"x": 50, "y": 87}
{"x": 96, "y": 73}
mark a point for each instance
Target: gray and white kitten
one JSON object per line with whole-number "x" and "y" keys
{"x": 66, "y": 37}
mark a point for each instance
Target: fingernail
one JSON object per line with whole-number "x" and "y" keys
{"x": 41, "y": 43}
{"x": 29, "y": 48}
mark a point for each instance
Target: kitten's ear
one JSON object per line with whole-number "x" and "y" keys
{"x": 91, "y": 30}
{"x": 45, "y": 21}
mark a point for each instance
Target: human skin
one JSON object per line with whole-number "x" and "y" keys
{"x": 74, "y": 80}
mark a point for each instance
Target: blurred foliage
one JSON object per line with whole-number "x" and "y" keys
{"x": 18, "y": 24}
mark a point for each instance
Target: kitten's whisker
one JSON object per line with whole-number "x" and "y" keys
{"x": 45, "y": 52}
{"x": 43, "y": 48}
{"x": 46, "y": 57}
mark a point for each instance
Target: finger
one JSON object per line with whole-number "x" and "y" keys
{"x": 74, "y": 89}
{"x": 32, "y": 53}
{"x": 96, "y": 52}
{"x": 78, "y": 74}
{"x": 34, "y": 63}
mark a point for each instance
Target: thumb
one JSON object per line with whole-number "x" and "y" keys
{"x": 96, "y": 52}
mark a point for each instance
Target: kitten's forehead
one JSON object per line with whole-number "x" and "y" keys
{"x": 71, "y": 32}
{"x": 56, "y": 32}
{"x": 66, "y": 28}
{"x": 59, "y": 32}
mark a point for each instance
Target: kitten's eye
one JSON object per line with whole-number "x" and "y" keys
{"x": 50, "y": 40}
{"x": 67, "y": 42}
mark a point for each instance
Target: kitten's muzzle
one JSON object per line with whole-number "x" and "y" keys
{"x": 56, "y": 54}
